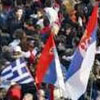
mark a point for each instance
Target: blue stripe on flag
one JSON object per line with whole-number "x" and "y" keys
{"x": 11, "y": 78}
{"x": 77, "y": 60}
{"x": 50, "y": 76}
{"x": 22, "y": 60}
{"x": 15, "y": 74}
{"x": 13, "y": 64}
{"x": 24, "y": 70}
{"x": 6, "y": 73}
{"x": 76, "y": 63}
{"x": 23, "y": 79}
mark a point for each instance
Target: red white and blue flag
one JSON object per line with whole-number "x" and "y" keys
{"x": 81, "y": 65}
{"x": 48, "y": 69}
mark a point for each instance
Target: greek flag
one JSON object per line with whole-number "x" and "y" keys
{"x": 17, "y": 72}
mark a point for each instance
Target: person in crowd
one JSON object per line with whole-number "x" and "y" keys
{"x": 28, "y": 96}
{"x": 25, "y": 25}
{"x": 14, "y": 92}
{"x": 15, "y": 20}
{"x": 46, "y": 30}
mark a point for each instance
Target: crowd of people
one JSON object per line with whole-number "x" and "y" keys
{"x": 25, "y": 25}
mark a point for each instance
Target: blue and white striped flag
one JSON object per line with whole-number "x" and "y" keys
{"x": 17, "y": 72}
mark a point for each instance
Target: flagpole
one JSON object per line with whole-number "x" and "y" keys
{"x": 51, "y": 91}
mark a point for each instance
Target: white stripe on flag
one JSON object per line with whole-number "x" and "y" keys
{"x": 60, "y": 79}
{"x": 19, "y": 66}
{"x": 8, "y": 68}
{"x": 27, "y": 81}
{"x": 7, "y": 76}
{"x": 21, "y": 77}
{"x": 76, "y": 85}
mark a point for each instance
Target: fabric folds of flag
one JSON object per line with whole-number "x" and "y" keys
{"x": 17, "y": 72}
{"x": 81, "y": 65}
{"x": 48, "y": 69}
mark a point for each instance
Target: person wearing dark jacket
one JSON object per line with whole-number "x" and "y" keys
{"x": 15, "y": 20}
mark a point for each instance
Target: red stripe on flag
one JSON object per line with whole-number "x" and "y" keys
{"x": 92, "y": 21}
{"x": 45, "y": 60}
{"x": 90, "y": 26}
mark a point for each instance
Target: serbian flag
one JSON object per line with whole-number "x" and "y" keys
{"x": 48, "y": 69}
{"x": 83, "y": 60}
